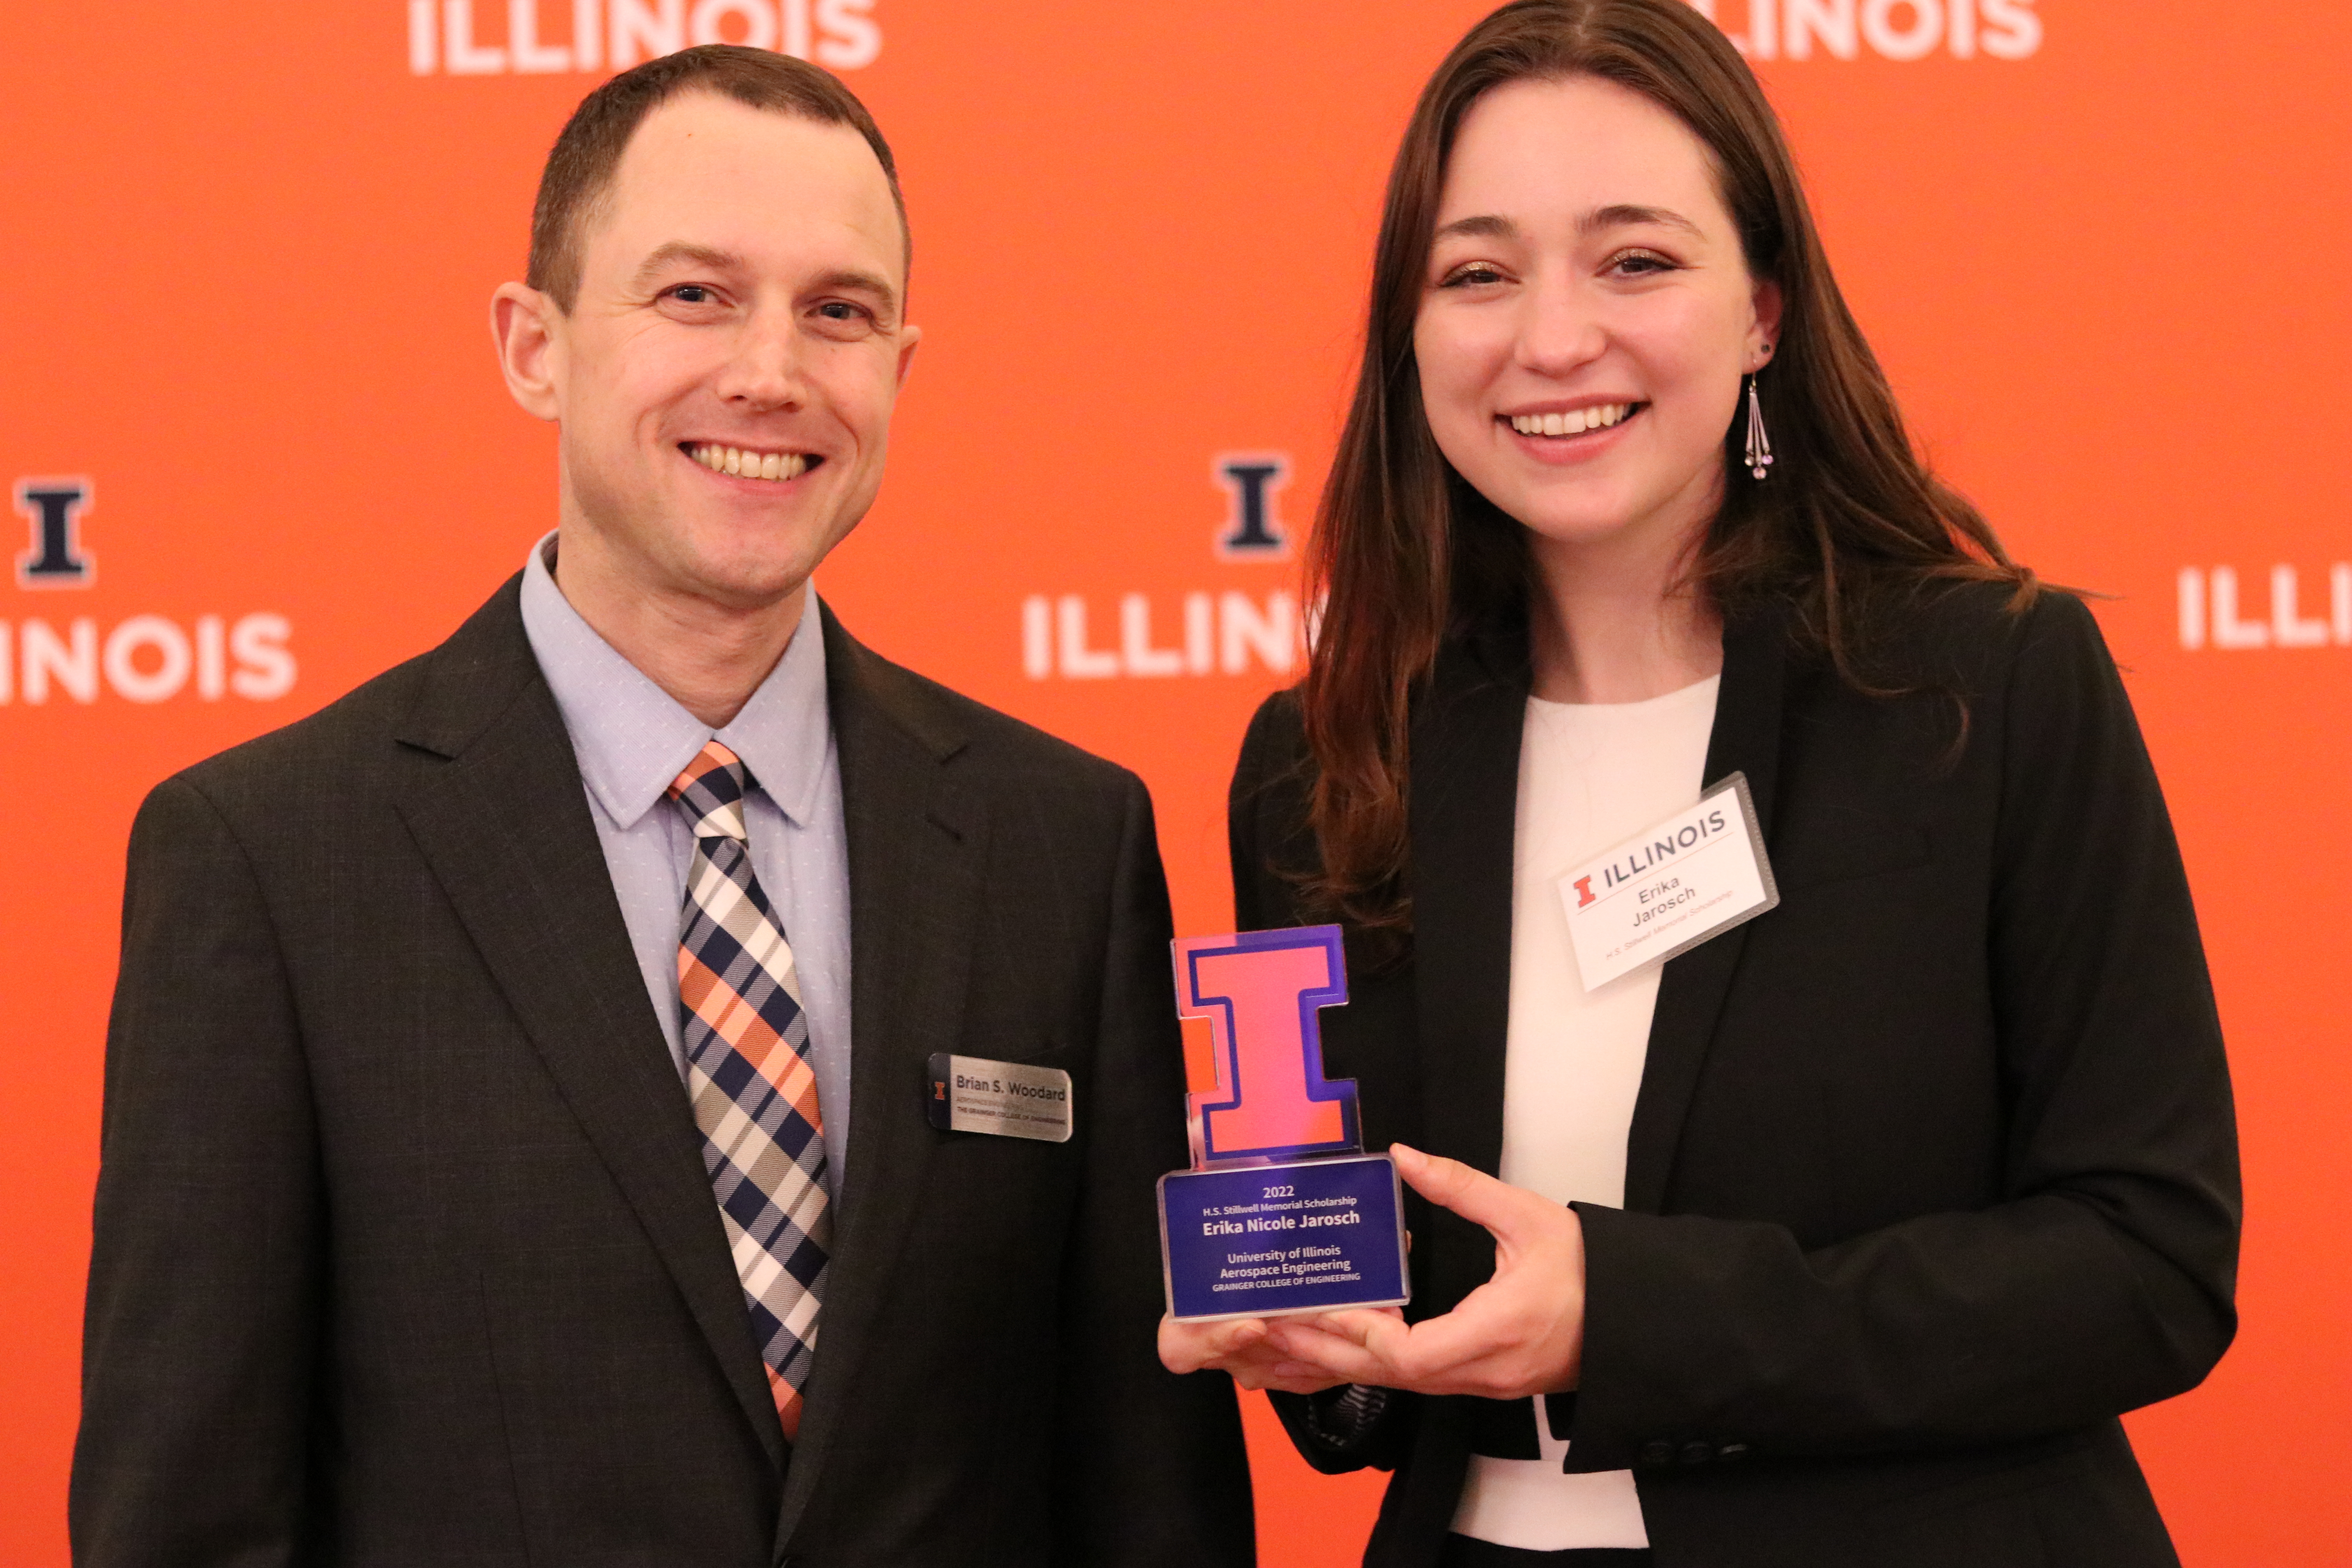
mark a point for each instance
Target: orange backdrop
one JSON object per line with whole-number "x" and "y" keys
{"x": 249, "y": 397}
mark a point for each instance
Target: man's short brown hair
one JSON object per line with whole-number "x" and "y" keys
{"x": 580, "y": 165}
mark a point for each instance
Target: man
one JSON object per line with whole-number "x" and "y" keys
{"x": 515, "y": 1142}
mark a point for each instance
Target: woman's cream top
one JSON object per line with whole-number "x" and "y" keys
{"x": 1589, "y": 775}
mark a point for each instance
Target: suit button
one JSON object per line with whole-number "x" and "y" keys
{"x": 1696, "y": 1453}
{"x": 1658, "y": 1452}
{"x": 1731, "y": 1451}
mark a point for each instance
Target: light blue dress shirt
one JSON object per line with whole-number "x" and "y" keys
{"x": 633, "y": 739}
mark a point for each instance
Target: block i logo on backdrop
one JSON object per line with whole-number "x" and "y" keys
{"x": 138, "y": 658}
{"x": 527, "y": 38}
{"x": 55, "y": 559}
{"x": 1227, "y": 631}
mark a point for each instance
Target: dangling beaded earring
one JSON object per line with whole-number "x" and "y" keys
{"x": 1760, "y": 446}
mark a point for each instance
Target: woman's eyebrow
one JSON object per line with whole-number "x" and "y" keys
{"x": 1620, "y": 215}
{"x": 1484, "y": 225}
{"x": 1623, "y": 215}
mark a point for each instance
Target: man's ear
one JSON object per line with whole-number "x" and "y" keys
{"x": 908, "y": 337}
{"x": 528, "y": 331}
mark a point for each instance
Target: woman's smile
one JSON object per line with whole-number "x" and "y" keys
{"x": 1576, "y": 434}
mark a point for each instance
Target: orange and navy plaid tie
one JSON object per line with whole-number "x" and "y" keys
{"x": 748, "y": 1074}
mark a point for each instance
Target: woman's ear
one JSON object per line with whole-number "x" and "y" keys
{"x": 1768, "y": 320}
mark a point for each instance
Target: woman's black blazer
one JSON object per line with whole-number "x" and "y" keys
{"x": 1933, "y": 1170}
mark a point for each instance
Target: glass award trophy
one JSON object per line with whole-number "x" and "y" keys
{"x": 1282, "y": 1211}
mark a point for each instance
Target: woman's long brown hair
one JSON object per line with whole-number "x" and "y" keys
{"x": 1405, "y": 554}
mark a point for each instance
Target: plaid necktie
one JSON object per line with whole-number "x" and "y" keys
{"x": 748, "y": 1075}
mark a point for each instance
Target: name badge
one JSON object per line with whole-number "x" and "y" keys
{"x": 1012, "y": 1099}
{"x": 1664, "y": 892}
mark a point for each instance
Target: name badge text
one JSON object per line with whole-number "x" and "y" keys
{"x": 1666, "y": 890}
{"x": 1010, "y": 1100}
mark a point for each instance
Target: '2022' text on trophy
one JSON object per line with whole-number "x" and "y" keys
{"x": 1282, "y": 1211}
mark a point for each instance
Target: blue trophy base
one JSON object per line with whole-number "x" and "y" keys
{"x": 1258, "y": 1241}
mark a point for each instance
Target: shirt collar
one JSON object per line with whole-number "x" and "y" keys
{"x": 633, "y": 739}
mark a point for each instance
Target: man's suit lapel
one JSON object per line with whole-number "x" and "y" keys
{"x": 916, "y": 846}
{"x": 1463, "y": 819}
{"x": 504, "y": 824}
{"x": 1746, "y": 739}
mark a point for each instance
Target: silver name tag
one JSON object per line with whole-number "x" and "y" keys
{"x": 1012, "y": 1099}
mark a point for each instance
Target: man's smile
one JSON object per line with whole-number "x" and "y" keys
{"x": 743, "y": 462}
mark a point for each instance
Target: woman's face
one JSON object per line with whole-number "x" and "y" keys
{"x": 1587, "y": 315}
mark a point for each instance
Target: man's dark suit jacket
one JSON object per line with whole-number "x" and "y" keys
{"x": 1932, "y": 1172}
{"x": 405, "y": 1250}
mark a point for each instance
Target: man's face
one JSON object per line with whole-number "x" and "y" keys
{"x": 724, "y": 381}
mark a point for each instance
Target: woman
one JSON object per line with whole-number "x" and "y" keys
{"x": 1845, "y": 1236}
